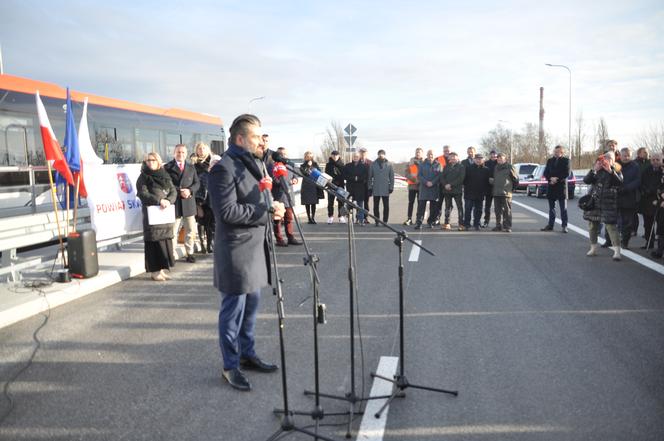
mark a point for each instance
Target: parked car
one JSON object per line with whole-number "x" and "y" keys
{"x": 537, "y": 185}
{"x": 524, "y": 169}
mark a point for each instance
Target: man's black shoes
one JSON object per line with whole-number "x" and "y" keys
{"x": 236, "y": 379}
{"x": 190, "y": 258}
{"x": 256, "y": 364}
{"x": 293, "y": 241}
{"x": 547, "y": 228}
{"x": 565, "y": 230}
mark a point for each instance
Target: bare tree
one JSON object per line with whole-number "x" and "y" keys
{"x": 498, "y": 139}
{"x": 527, "y": 145}
{"x": 602, "y": 132}
{"x": 652, "y": 138}
{"x": 334, "y": 140}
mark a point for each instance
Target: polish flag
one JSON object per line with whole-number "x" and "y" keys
{"x": 52, "y": 148}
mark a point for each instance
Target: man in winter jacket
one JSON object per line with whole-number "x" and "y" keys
{"x": 556, "y": 172}
{"x": 334, "y": 168}
{"x": 475, "y": 186}
{"x": 282, "y": 183}
{"x": 411, "y": 171}
{"x": 429, "y": 180}
{"x": 381, "y": 184}
{"x": 504, "y": 178}
{"x": 451, "y": 183}
{"x": 364, "y": 159}
{"x": 470, "y": 160}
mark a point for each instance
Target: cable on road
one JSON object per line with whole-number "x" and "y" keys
{"x": 35, "y": 285}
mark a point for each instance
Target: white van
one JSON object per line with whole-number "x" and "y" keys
{"x": 523, "y": 169}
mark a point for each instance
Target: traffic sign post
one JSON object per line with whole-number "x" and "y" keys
{"x": 350, "y": 138}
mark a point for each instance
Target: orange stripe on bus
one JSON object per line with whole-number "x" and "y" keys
{"x": 25, "y": 85}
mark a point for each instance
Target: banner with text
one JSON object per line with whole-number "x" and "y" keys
{"x": 114, "y": 208}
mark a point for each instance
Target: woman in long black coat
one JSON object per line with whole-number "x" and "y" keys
{"x": 155, "y": 187}
{"x": 606, "y": 179}
{"x": 309, "y": 193}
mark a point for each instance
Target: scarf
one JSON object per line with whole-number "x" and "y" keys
{"x": 159, "y": 177}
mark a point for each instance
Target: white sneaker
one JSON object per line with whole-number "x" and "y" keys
{"x": 593, "y": 250}
{"x": 616, "y": 253}
{"x": 330, "y": 220}
{"x": 342, "y": 219}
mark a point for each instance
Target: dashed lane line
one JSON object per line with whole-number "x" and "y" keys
{"x": 372, "y": 428}
{"x": 415, "y": 252}
{"x": 627, "y": 253}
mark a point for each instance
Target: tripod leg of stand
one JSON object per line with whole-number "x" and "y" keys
{"x": 433, "y": 389}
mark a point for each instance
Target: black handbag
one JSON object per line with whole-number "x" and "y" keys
{"x": 588, "y": 202}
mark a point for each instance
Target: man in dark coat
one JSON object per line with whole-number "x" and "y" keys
{"x": 556, "y": 172}
{"x": 239, "y": 195}
{"x": 488, "y": 197}
{"x": 475, "y": 186}
{"x": 470, "y": 160}
{"x": 355, "y": 174}
{"x": 451, "y": 186}
{"x": 628, "y": 196}
{"x": 186, "y": 182}
{"x": 334, "y": 168}
{"x": 381, "y": 185}
{"x": 650, "y": 180}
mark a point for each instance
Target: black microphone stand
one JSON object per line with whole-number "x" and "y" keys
{"x": 317, "y": 413}
{"x": 287, "y": 423}
{"x": 351, "y": 397}
{"x": 399, "y": 380}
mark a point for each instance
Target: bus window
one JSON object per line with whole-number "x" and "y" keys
{"x": 172, "y": 139}
{"x": 147, "y": 140}
{"x": 125, "y": 142}
{"x": 13, "y": 141}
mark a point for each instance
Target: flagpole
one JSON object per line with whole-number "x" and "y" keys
{"x": 78, "y": 184}
{"x": 67, "y": 214}
{"x": 57, "y": 215}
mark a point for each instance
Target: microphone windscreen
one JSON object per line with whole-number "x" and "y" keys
{"x": 279, "y": 170}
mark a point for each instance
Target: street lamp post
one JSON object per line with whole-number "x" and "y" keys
{"x": 511, "y": 136}
{"x": 252, "y": 100}
{"x": 569, "y": 126}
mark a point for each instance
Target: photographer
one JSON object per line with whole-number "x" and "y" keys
{"x": 606, "y": 181}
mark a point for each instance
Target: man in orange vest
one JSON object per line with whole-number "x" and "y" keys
{"x": 442, "y": 162}
{"x": 412, "y": 169}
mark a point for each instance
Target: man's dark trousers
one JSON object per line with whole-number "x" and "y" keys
{"x": 237, "y": 321}
{"x": 472, "y": 207}
{"x": 562, "y": 203}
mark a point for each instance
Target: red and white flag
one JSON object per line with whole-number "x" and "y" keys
{"x": 52, "y": 148}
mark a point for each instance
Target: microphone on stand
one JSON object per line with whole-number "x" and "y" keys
{"x": 324, "y": 180}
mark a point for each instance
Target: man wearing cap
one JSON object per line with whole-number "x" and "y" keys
{"x": 334, "y": 168}
{"x": 364, "y": 159}
{"x": 451, "y": 183}
{"x": 488, "y": 197}
{"x": 442, "y": 162}
{"x": 381, "y": 184}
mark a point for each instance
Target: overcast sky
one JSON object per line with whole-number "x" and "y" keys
{"x": 406, "y": 74}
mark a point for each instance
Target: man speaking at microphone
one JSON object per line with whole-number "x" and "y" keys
{"x": 242, "y": 206}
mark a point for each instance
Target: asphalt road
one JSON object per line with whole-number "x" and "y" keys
{"x": 542, "y": 343}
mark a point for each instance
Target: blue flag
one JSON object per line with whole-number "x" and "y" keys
{"x": 72, "y": 156}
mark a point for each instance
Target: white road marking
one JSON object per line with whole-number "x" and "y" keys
{"x": 415, "y": 252}
{"x": 372, "y": 428}
{"x": 629, "y": 254}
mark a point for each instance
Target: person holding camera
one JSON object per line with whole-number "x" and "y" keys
{"x": 606, "y": 180}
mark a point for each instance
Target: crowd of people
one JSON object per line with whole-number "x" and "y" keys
{"x": 247, "y": 189}
{"x": 180, "y": 183}
{"x": 622, "y": 188}
{"x": 471, "y": 185}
